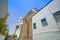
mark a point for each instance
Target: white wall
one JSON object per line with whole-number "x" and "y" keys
{"x": 54, "y": 6}
{"x": 47, "y": 36}
{"x": 20, "y": 22}
{"x": 45, "y": 13}
{"x": 2, "y": 37}
{"x": 48, "y": 32}
{"x": 18, "y": 32}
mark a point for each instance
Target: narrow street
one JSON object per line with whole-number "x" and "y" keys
{"x": 29, "y": 19}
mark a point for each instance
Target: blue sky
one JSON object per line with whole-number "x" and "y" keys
{"x": 19, "y": 8}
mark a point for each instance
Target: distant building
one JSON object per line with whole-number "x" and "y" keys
{"x": 26, "y": 30}
{"x": 3, "y": 8}
{"x": 18, "y": 27}
{"x": 46, "y": 23}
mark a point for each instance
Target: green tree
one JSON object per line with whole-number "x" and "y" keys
{"x": 3, "y": 27}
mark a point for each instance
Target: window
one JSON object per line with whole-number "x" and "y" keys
{"x": 44, "y": 22}
{"x": 25, "y": 21}
{"x": 34, "y": 25}
{"x": 57, "y": 16}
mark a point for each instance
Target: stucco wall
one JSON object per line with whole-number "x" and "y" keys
{"x": 54, "y": 6}
{"x": 45, "y": 13}
{"x": 51, "y": 31}
{"x": 47, "y": 36}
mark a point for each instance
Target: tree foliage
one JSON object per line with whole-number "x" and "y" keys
{"x": 3, "y": 27}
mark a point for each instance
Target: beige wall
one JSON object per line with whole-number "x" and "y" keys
{"x": 26, "y": 31}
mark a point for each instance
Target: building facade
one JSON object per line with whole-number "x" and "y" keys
{"x": 3, "y": 8}
{"x": 18, "y": 27}
{"x": 46, "y": 23}
{"x": 26, "y": 30}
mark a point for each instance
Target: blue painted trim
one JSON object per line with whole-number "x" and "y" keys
{"x": 44, "y": 6}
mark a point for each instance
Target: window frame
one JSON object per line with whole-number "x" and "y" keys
{"x": 34, "y": 25}
{"x": 55, "y": 17}
{"x": 44, "y": 22}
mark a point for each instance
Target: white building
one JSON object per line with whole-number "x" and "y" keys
{"x": 46, "y": 23}
{"x": 18, "y": 27}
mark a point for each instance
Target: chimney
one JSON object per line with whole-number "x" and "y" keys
{"x": 36, "y": 9}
